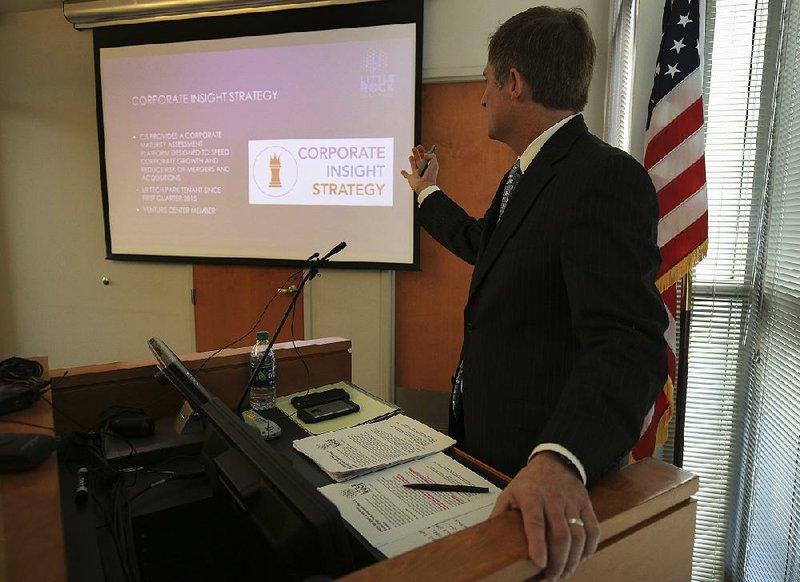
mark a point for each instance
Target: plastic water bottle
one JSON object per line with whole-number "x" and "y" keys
{"x": 265, "y": 383}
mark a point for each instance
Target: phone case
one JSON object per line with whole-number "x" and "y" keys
{"x": 312, "y": 414}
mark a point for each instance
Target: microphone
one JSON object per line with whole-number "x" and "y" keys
{"x": 313, "y": 269}
{"x": 338, "y": 248}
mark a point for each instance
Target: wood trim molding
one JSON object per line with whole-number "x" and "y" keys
{"x": 132, "y": 383}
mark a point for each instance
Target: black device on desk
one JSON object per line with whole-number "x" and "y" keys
{"x": 319, "y": 406}
{"x": 297, "y": 523}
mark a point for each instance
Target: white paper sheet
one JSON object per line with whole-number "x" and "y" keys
{"x": 350, "y": 452}
{"x": 396, "y": 519}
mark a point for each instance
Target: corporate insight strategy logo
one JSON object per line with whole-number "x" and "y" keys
{"x": 275, "y": 171}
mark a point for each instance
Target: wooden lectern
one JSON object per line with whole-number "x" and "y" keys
{"x": 646, "y": 511}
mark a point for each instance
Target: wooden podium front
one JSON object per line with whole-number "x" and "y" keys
{"x": 646, "y": 511}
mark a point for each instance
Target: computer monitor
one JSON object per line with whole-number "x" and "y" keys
{"x": 298, "y": 524}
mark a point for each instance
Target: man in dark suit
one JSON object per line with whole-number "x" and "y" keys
{"x": 563, "y": 349}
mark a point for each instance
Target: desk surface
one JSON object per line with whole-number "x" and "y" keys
{"x": 30, "y": 510}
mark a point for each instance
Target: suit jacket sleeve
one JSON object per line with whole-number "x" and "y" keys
{"x": 451, "y": 226}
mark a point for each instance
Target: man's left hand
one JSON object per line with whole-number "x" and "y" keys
{"x": 548, "y": 493}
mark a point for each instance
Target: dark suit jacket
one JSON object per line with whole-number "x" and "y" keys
{"x": 563, "y": 326}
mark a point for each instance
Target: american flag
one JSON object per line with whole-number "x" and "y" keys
{"x": 674, "y": 158}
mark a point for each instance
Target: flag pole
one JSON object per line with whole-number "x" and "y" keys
{"x": 683, "y": 368}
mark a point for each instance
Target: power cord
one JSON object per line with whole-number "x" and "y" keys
{"x": 301, "y": 358}
{"x": 255, "y": 325}
{"x": 64, "y": 414}
{"x": 118, "y": 514}
{"x": 171, "y": 477}
{"x": 197, "y": 371}
{"x": 28, "y": 424}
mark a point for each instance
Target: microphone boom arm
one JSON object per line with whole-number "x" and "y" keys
{"x": 313, "y": 270}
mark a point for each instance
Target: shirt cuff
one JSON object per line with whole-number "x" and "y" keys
{"x": 426, "y": 192}
{"x": 564, "y": 452}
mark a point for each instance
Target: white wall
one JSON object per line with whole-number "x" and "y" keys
{"x": 648, "y": 31}
{"x": 51, "y": 228}
{"x": 52, "y": 245}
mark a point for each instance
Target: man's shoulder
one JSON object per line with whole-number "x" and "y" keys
{"x": 591, "y": 151}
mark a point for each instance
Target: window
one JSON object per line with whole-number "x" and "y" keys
{"x": 742, "y": 430}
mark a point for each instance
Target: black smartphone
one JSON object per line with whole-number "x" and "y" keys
{"x": 322, "y": 397}
{"x": 326, "y": 410}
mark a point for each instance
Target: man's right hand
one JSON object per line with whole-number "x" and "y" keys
{"x": 419, "y": 183}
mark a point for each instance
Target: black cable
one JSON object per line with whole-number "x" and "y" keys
{"x": 65, "y": 415}
{"x": 300, "y": 357}
{"x": 123, "y": 529}
{"x": 172, "y": 458}
{"x": 255, "y": 325}
{"x": 106, "y": 517}
{"x": 28, "y": 424}
{"x": 107, "y": 432}
{"x": 313, "y": 270}
{"x": 197, "y": 371}
{"x": 21, "y": 371}
{"x": 174, "y": 477}
{"x": 118, "y": 515}
{"x": 57, "y": 381}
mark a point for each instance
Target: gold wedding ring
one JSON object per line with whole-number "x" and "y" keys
{"x": 575, "y": 521}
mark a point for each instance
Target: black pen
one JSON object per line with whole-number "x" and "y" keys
{"x": 426, "y": 161}
{"x": 446, "y": 487}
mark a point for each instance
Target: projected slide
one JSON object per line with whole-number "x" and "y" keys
{"x": 261, "y": 147}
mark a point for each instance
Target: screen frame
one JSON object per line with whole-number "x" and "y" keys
{"x": 303, "y": 19}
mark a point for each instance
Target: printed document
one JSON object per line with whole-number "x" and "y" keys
{"x": 350, "y": 452}
{"x": 396, "y": 519}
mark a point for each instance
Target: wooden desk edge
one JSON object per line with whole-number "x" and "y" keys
{"x": 85, "y": 375}
{"x": 30, "y": 525}
{"x": 650, "y": 487}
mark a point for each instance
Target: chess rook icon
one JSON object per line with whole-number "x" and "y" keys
{"x": 275, "y": 169}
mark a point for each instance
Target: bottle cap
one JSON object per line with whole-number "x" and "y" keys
{"x": 262, "y": 335}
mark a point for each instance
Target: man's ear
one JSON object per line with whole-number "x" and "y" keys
{"x": 517, "y": 84}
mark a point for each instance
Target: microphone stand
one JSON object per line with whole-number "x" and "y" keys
{"x": 313, "y": 270}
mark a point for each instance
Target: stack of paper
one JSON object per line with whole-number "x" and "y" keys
{"x": 359, "y": 450}
{"x": 396, "y": 519}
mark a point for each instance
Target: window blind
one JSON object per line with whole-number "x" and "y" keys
{"x": 764, "y": 544}
{"x": 743, "y": 416}
{"x": 722, "y": 292}
{"x": 619, "y": 85}
{"x": 742, "y": 427}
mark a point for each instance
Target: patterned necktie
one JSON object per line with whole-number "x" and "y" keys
{"x": 458, "y": 387}
{"x": 455, "y": 395}
{"x": 511, "y": 182}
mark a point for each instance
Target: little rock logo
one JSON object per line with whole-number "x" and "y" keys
{"x": 275, "y": 171}
{"x": 375, "y": 81}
